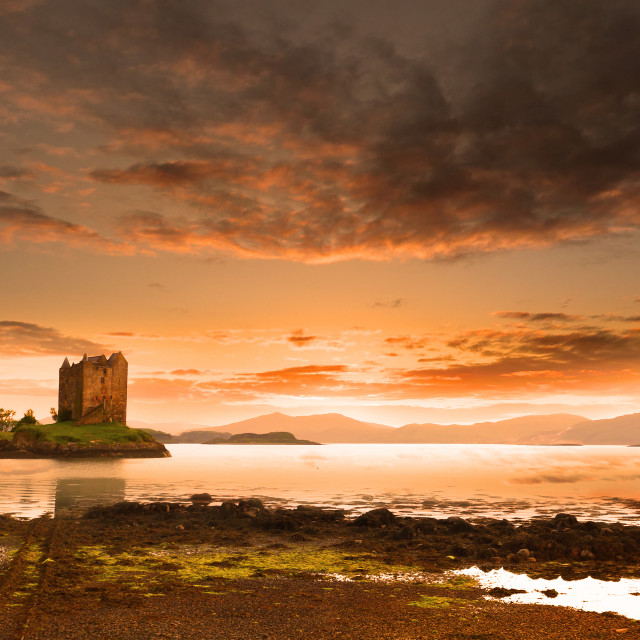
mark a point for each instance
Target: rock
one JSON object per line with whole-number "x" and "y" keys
{"x": 251, "y": 503}
{"x": 487, "y": 552}
{"x": 459, "y": 550}
{"x": 279, "y": 523}
{"x": 228, "y": 509}
{"x": 564, "y": 521}
{"x": 550, "y": 593}
{"x": 503, "y": 525}
{"x": 426, "y": 525}
{"x": 201, "y": 498}
{"x": 375, "y": 518}
{"x": 501, "y": 592}
{"x": 523, "y": 554}
{"x": 455, "y": 524}
{"x": 406, "y": 533}
{"x": 126, "y": 507}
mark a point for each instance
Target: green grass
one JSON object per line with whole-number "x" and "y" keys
{"x": 86, "y": 434}
{"x": 6, "y": 435}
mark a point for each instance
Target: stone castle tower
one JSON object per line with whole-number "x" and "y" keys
{"x": 94, "y": 390}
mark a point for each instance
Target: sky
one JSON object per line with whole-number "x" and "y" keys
{"x": 408, "y": 211}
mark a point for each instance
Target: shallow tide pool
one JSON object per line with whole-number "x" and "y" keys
{"x": 588, "y": 594}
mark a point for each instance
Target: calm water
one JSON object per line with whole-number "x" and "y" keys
{"x": 595, "y": 482}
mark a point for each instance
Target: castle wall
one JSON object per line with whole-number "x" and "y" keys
{"x": 70, "y": 391}
{"x": 95, "y": 390}
{"x": 64, "y": 391}
{"x": 120, "y": 372}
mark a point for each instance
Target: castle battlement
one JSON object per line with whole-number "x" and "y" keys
{"x": 94, "y": 390}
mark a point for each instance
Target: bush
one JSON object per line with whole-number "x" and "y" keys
{"x": 64, "y": 415}
{"x": 6, "y": 419}
{"x": 27, "y": 419}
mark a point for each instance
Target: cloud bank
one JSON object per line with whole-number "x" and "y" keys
{"x": 274, "y": 143}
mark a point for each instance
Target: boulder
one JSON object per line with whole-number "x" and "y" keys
{"x": 376, "y": 518}
{"x": 457, "y": 524}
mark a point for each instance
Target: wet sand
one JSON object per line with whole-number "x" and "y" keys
{"x": 238, "y": 570}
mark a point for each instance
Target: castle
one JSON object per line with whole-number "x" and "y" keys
{"x": 93, "y": 390}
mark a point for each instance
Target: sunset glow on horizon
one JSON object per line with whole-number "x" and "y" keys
{"x": 425, "y": 212}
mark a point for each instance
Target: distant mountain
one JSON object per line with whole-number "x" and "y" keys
{"x": 160, "y": 436}
{"x": 273, "y": 437}
{"x": 168, "y": 427}
{"x": 524, "y": 430}
{"x": 559, "y": 428}
{"x": 336, "y": 428}
{"x": 189, "y": 437}
{"x": 620, "y": 430}
{"x": 328, "y": 427}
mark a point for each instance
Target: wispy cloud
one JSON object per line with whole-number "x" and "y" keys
{"x": 537, "y": 317}
{"x": 22, "y": 220}
{"x": 27, "y": 339}
{"x": 299, "y": 339}
{"x": 389, "y": 304}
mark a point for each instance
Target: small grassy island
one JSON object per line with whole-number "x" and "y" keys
{"x": 274, "y": 437}
{"x": 71, "y": 440}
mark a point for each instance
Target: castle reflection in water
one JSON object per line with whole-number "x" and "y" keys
{"x": 80, "y": 493}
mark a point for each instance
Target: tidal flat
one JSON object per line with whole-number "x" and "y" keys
{"x": 240, "y": 570}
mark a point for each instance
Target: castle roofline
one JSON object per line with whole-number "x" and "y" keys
{"x": 101, "y": 359}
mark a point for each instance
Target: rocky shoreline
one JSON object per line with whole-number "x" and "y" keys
{"x": 558, "y": 546}
{"x": 48, "y": 449}
{"x": 238, "y": 570}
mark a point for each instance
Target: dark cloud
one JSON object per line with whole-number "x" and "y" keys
{"x": 536, "y": 317}
{"x": 332, "y": 145}
{"x": 11, "y": 172}
{"x": 299, "y": 339}
{"x": 580, "y": 347}
{"x": 389, "y": 304}
{"x": 618, "y": 318}
{"x": 27, "y": 339}
{"x": 20, "y": 219}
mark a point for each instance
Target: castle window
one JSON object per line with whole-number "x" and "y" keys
{"x": 102, "y": 380}
{"x": 104, "y": 372}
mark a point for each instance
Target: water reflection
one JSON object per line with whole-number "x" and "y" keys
{"x": 588, "y": 594}
{"x": 595, "y": 482}
{"x": 81, "y": 493}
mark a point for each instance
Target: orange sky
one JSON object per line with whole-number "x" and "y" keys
{"x": 425, "y": 214}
